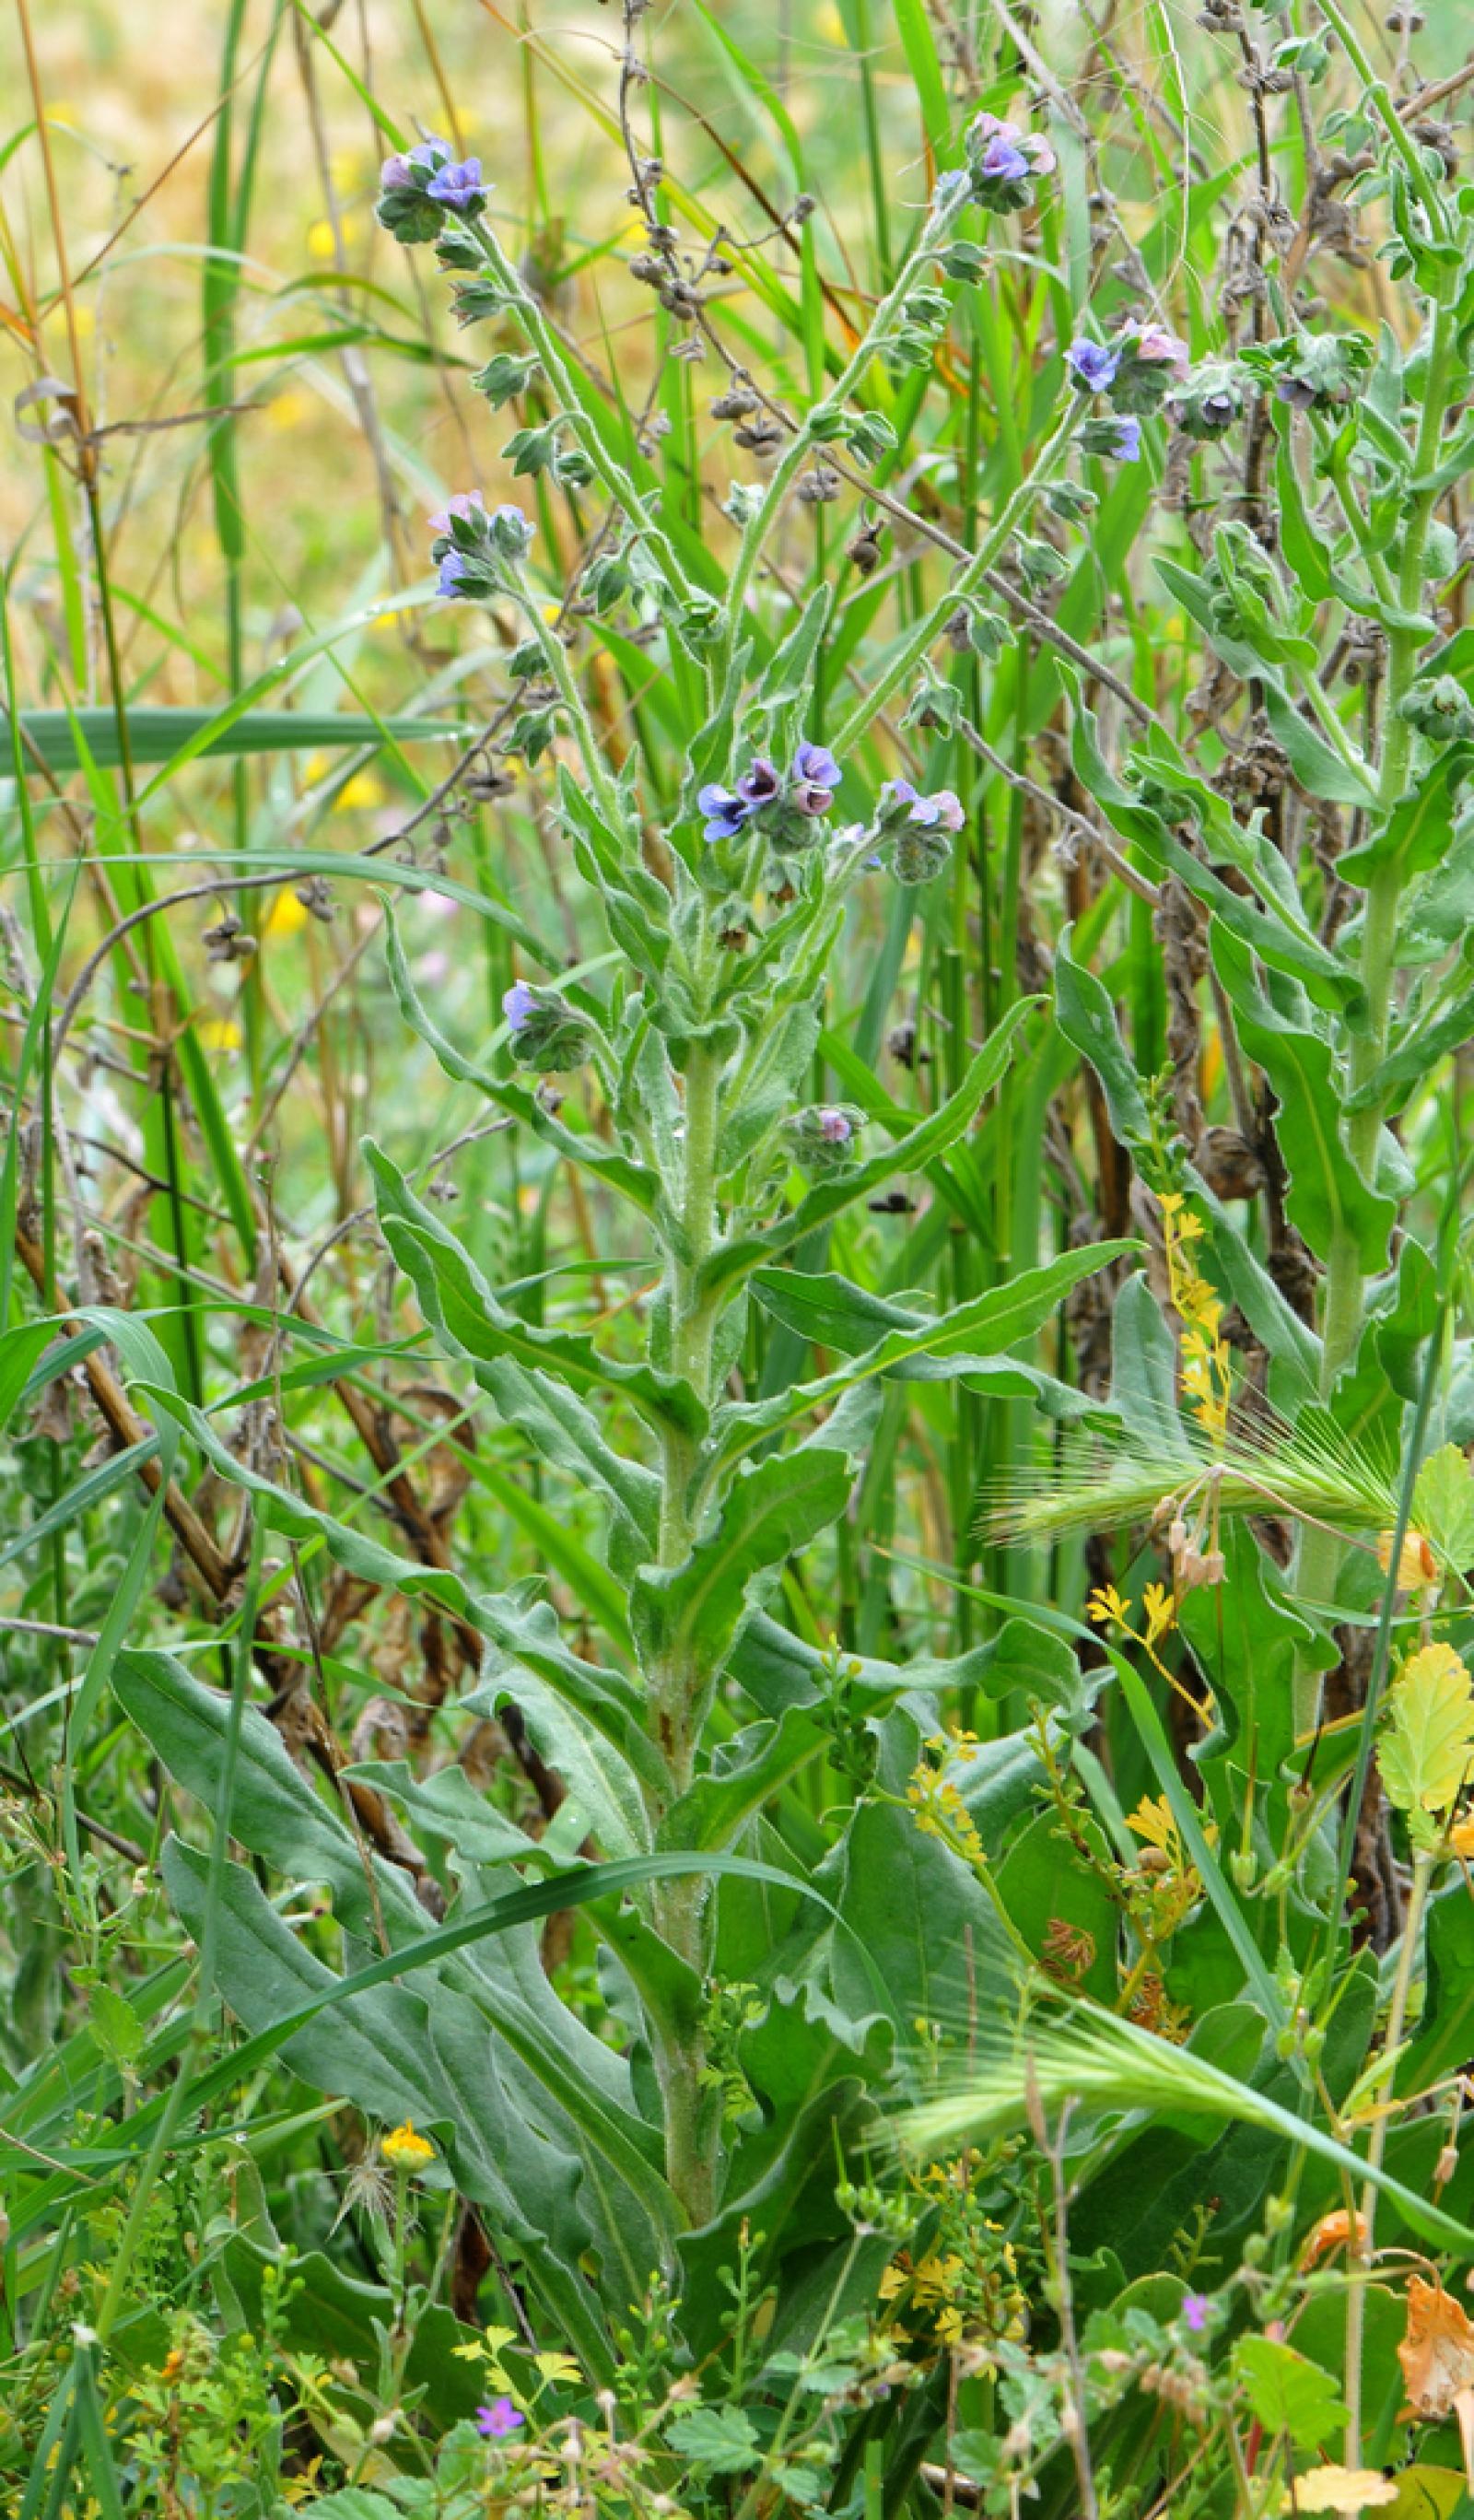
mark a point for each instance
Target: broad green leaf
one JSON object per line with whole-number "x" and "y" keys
{"x": 1328, "y": 1198}
{"x": 721, "y": 2439}
{"x": 1287, "y": 2392}
{"x": 689, "y": 1615}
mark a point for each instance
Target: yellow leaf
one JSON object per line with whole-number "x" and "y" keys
{"x": 1340, "y": 2488}
{"x": 1428, "y": 1749}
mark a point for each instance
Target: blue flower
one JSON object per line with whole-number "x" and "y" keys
{"x": 455, "y": 569}
{"x": 460, "y": 187}
{"x": 396, "y": 175}
{"x": 519, "y": 1005}
{"x": 432, "y": 152}
{"x": 1092, "y": 365}
{"x": 724, "y": 813}
{"x": 1128, "y": 446}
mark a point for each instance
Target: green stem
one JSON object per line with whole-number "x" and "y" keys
{"x": 1359, "y": 2253}
{"x": 1341, "y": 1318}
{"x": 679, "y": 1683}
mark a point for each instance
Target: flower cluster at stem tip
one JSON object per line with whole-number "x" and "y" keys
{"x": 762, "y": 794}
{"x": 416, "y": 186}
{"x": 468, "y": 543}
{"x": 1004, "y": 162}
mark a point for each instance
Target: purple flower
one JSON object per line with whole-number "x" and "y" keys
{"x": 396, "y": 175}
{"x": 815, "y": 767}
{"x": 1007, "y": 154}
{"x": 455, "y": 569}
{"x": 518, "y": 1006}
{"x": 501, "y": 2418}
{"x": 430, "y": 152}
{"x": 724, "y": 813}
{"x": 1157, "y": 347}
{"x": 458, "y": 186}
{"x": 941, "y": 812}
{"x": 1297, "y": 392}
{"x": 836, "y": 1126}
{"x": 1092, "y": 365}
{"x": 1002, "y": 161}
{"x": 1128, "y": 446}
{"x": 759, "y": 785}
{"x": 467, "y": 505}
{"x": 1196, "y": 2312}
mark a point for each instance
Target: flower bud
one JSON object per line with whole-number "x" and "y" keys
{"x": 823, "y": 1138}
{"x": 544, "y": 1031}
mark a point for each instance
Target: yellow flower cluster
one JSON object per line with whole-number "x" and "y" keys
{"x": 938, "y": 1806}
{"x": 1207, "y": 1374}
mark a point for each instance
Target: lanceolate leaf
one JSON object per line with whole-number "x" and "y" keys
{"x": 1328, "y": 1198}
{"x": 49, "y": 737}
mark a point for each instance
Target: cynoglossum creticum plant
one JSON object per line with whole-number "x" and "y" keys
{"x": 672, "y": 1074}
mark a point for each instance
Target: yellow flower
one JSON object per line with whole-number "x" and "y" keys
{"x": 287, "y": 410}
{"x": 404, "y": 2150}
{"x": 218, "y": 1032}
{"x": 1105, "y": 1603}
{"x": 321, "y": 244}
{"x": 362, "y": 789}
{"x": 284, "y": 918}
{"x": 1416, "y": 1563}
{"x": 1161, "y": 1612}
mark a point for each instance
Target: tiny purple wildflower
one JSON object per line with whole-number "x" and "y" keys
{"x": 466, "y": 504}
{"x": 397, "y": 174}
{"x": 432, "y": 152}
{"x": 724, "y": 811}
{"x": 1002, "y": 163}
{"x": 1128, "y": 445}
{"x": 458, "y": 186}
{"x": 759, "y": 785}
{"x": 1196, "y": 2312}
{"x": 455, "y": 568}
{"x": 1092, "y": 365}
{"x": 518, "y": 1006}
{"x": 1297, "y": 392}
{"x": 1157, "y": 347}
{"x": 836, "y": 1126}
{"x": 501, "y": 2418}
{"x": 816, "y": 763}
{"x": 941, "y": 812}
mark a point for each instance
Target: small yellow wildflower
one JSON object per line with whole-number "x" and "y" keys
{"x": 1106, "y": 1604}
{"x": 321, "y": 241}
{"x": 286, "y": 917}
{"x": 1416, "y": 1563}
{"x": 218, "y": 1032}
{"x": 404, "y": 2150}
{"x": 362, "y": 789}
{"x": 1161, "y": 1612}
